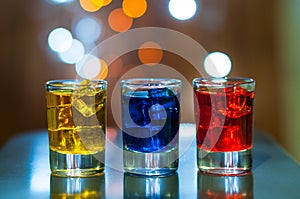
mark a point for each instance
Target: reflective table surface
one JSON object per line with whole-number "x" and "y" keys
{"x": 25, "y": 173}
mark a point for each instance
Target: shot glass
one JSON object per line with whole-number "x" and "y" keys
{"x": 76, "y": 112}
{"x": 150, "y": 125}
{"x": 224, "y": 122}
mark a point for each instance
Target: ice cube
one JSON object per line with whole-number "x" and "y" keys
{"x": 65, "y": 117}
{"x": 86, "y": 88}
{"x": 87, "y": 91}
{"x": 232, "y": 102}
{"x": 139, "y": 111}
{"x": 93, "y": 138}
{"x": 239, "y": 102}
{"x": 83, "y": 108}
{"x": 158, "y": 112}
{"x": 84, "y": 99}
{"x": 160, "y": 92}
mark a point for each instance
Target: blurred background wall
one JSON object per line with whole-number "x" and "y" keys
{"x": 261, "y": 38}
{"x": 288, "y": 31}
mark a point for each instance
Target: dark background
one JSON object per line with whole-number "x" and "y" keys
{"x": 251, "y": 32}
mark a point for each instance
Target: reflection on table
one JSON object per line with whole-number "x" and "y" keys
{"x": 151, "y": 186}
{"x": 214, "y": 186}
{"x": 76, "y": 187}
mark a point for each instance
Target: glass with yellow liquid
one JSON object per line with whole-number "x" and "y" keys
{"x": 76, "y": 112}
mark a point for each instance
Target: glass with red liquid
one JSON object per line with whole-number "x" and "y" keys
{"x": 224, "y": 123}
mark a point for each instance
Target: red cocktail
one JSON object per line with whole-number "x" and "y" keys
{"x": 224, "y": 121}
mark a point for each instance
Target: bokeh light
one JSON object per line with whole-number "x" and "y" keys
{"x": 87, "y": 29}
{"x": 217, "y": 64}
{"x": 60, "y": 39}
{"x": 88, "y": 67}
{"x": 134, "y": 8}
{"x": 98, "y": 2}
{"x": 182, "y": 9}
{"x": 73, "y": 54}
{"x": 103, "y": 70}
{"x": 150, "y": 53}
{"x": 119, "y": 21}
{"x": 91, "y": 46}
{"x": 101, "y": 2}
{"x": 60, "y": 1}
{"x": 106, "y": 2}
{"x": 91, "y": 5}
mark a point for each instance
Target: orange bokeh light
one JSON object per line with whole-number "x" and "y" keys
{"x": 119, "y": 21}
{"x": 103, "y": 70}
{"x": 134, "y": 8}
{"x": 101, "y": 2}
{"x": 106, "y": 2}
{"x": 98, "y": 2}
{"x": 91, "y": 5}
{"x": 150, "y": 53}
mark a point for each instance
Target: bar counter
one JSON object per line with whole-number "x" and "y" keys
{"x": 25, "y": 173}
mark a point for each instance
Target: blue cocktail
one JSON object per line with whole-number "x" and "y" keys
{"x": 151, "y": 117}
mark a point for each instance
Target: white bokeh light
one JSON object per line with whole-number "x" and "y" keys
{"x": 87, "y": 29}
{"x": 217, "y": 64}
{"x": 60, "y": 1}
{"x": 88, "y": 67}
{"x": 73, "y": 54}
{"x": 182, "y": 9}
{"x": 60, "y": 39}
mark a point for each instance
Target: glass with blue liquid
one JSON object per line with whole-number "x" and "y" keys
{"x": 150, "y": 125}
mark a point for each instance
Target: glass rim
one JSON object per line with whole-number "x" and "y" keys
{"x": 229, "y": 81}
{"x": 151, "y": 82}
{"x": 72, "y": 83}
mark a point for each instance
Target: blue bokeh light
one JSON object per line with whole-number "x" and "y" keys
{"x": 87, "y": 29}
{"x": 60, "y": 1}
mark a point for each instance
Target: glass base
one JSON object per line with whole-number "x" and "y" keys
{"x": 76, "y": 165}
{"x": 225, "y": 163}
{"x": 155, "y": 164}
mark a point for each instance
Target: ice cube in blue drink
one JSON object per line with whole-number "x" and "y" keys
{"x": 156, "y": 116}
{"x": 157, "y": 112}
{"x": 139, "y": 108}
{"x": 160, "y": 92}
